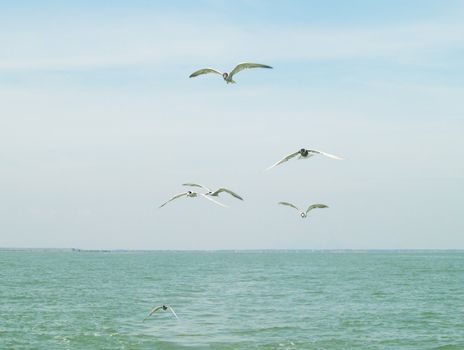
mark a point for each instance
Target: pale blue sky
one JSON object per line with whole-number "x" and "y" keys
{"x": 99, "y": 123}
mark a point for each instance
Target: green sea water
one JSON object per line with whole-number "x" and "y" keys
{"x": 232, "y": 300}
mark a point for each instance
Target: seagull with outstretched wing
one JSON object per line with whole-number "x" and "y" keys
{"x": 214, "y": 193}
{"x": 303, "y": 213}
{"x": 192, "y": 195}
{"x": 228, "y": 77}
{"x": 162, "y": 307}
{"x": 304, "y": 154}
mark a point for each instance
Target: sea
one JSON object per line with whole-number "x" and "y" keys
{"x": 326, "y": 300}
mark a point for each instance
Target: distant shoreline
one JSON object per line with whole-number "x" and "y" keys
{"x": 79, "y": 250}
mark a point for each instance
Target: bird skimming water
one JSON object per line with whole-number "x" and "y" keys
{"x": 162, "y": 307}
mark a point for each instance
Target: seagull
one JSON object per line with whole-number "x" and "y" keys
{"x": 228, "y": 76}
{"x": 303, "y": 213}
{"x": 304, "y": 154}
{"x": 162, "y": 307}
{"x": 214, "y": 193}
{"x": 192, "y": 195}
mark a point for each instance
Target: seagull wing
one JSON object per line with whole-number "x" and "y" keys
{"x": 245, "y": 65}
{"x": 173, "y": 312}
{"x": 314, "y": 206}
{"x": 204, "y": 71}
{"x": 175, "y": 197}
{"x": 283, "y": 160}
{"x": 153, "y": 311}
{"x": 212, "y": 200}
{"x": 325, "y": 154}
{"x": 196, "y": 185}
{"x": 222, "y": 189}
{"x": 289, "y": 205}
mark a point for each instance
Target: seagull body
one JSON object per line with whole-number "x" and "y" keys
{"x": 162, "y": 307}
{"x": 304, "y": 154}
{"x": 228, "y": 77}
{"x": 214, "y": 193}
{"x": 303, "y": 213}
{"x": 192, "y": 195}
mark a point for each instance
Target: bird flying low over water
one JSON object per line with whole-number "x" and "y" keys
{"x": 214, "y": 193}
{"x": 162, "y": 307}
{"x": 304, "y": 213}
{"x": 192, "y": 195}
{"x": 304, "y": 154}
{"x": 228, "y": 77}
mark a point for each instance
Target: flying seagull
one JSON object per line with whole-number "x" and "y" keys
{"x": 214, "y": 193}
{"x": 228, "y": 77}
{"x": 190, "y": 194}
{"x": 304, "y": 213}
{"x": 162, "y": 307}
{"x": 304, "y": 154}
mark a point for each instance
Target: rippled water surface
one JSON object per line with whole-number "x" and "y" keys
{"x": 232, "y": 300}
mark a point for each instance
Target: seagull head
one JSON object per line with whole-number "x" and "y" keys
{"x": 304, "y": 152}
{"x": 303, "y": 215}
{"x": 225, "y": 75}
{"x": 165, "y": 307}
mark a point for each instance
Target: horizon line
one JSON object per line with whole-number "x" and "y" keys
{"x": 227, "y": 249}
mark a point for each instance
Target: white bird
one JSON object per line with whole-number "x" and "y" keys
{"x": 214, "y": 193}
{"x": 228, "y": 77}
{"x": 304, "y": 154}
{"x": 304, "y": 213}
{"x": 162, "y": 307}
{"x": 192, "y": 195}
